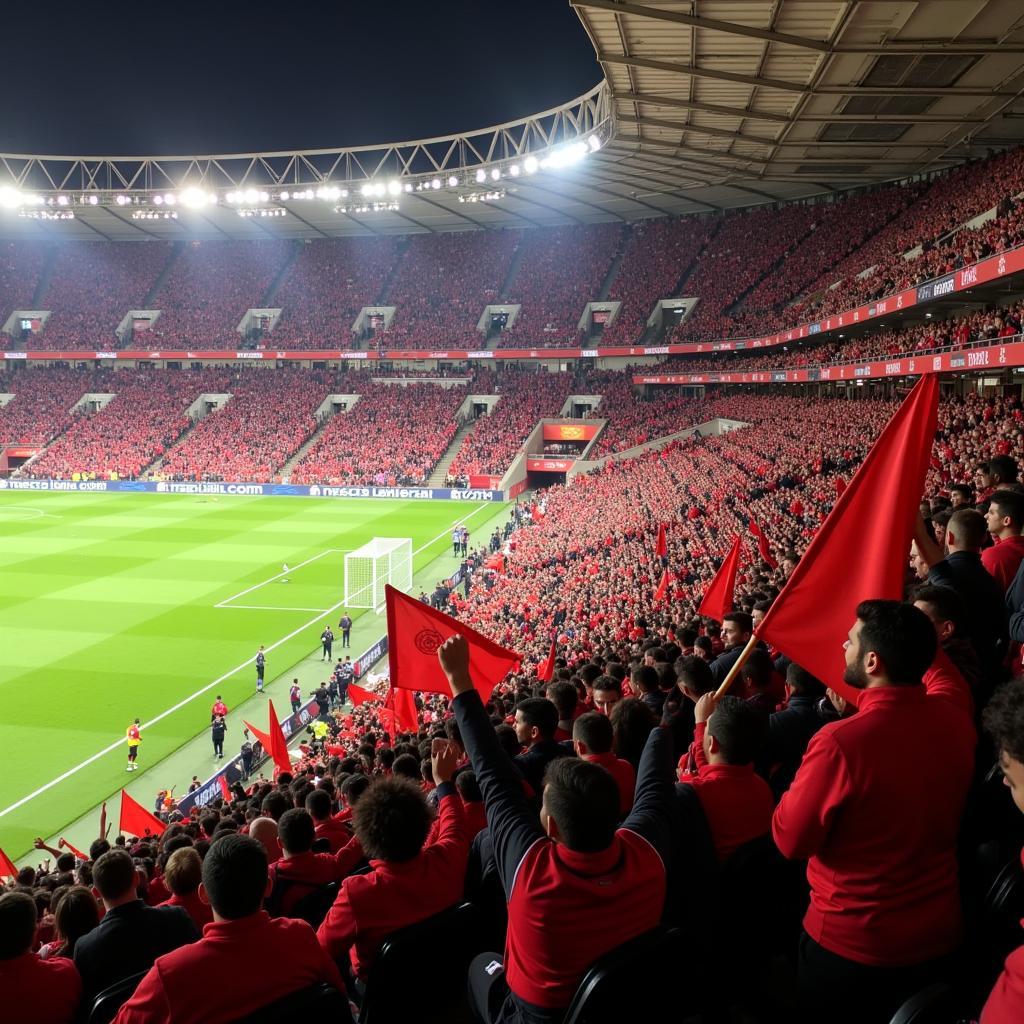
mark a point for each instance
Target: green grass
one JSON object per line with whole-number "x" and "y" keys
{"x": 108, "y": 612}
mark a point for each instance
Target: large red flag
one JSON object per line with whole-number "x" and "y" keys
{"x": 840, "y": 486}
{"x": 662, "y": 591}
{"x": 67, "y": 846}
{"x": 263, "y": 737}
{"x": 762, "y": 545}
{"x": 225, "y": 788}
{"x": 718, "y": 597}
{"x": 860, "y": 552}
{"x": 661, "y": 544}
{"x": 278, "y": 749}
{"x": 546, "y": 669}
{"x": 403, "y": 704}
{"x": 416, "y": 631}
{"x": 7, "y": 868}
{"x": 358, "y": 695}
{"x": 136, "y": 820}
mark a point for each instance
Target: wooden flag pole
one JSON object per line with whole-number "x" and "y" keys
{"x": 737, "y": 665}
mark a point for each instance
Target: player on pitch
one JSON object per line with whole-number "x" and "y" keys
{"x": 134, "y": 739}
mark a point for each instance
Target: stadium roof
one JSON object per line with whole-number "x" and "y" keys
{"x": 705, "y": 105}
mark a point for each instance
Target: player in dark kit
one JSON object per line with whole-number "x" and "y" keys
{"x": 327, "y": 641}
{"x": 345, "y": 625}
{"x": 261, "y": 664}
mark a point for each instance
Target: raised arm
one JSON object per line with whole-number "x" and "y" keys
{"x": 653, "y": 810}
{"x": 514, "y": 825}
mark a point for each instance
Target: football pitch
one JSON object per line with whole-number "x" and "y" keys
{"x": 114, "y": 607}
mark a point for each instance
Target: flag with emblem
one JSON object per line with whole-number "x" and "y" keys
{"x": 416, "y": 631}
{"x": 136, "y": 820}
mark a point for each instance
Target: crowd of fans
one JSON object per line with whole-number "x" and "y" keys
{"x": 42, "y": 402}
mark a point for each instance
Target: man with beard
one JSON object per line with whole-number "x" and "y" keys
{"x": 875, "y": 809}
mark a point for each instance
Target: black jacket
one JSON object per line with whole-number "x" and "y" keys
{"x": 985, "y": 602}
{"x": 533, "y": 762}
{"x": 789, "y": 732}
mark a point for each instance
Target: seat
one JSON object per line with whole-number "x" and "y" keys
{"x": 933, "y": 1005}
{"x": 111, "y": 999}
{"x": 312, "y": 908}
{"x": 609, "y": 993}
{"x": 318, "y": 1002}
{"x": 410, "y": 963}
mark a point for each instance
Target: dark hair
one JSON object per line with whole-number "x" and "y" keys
{"x": 508, "y": 739}
{"x": 969, "y": 527}
{"x": 802, "y": 682}
{"x": 964, "y": 489}
{"x": 392, "y": 819}
{"x": 607, "y": 683}
{"x": 589, "y": 673}
{"x": 741, "y": 619}
{"x": 594, "y": 730}
{"x": 632, "y": 721}
{"x": 318, "y": 803}
{"x": 17, "y": 924}
{"x": 296, "y": 831}
{"x": 539, "y": 713}
{"x": 563, "y": 696}
{"x": 739, "y": 728}
{"x": 407, "y": 766}
{"x": 645, "y": 677}
{"x": 1011, "y": 505}
{"x": 703, "y": 643}
{"x": 468, "y": 787}
{"x": 353, "y": 788}
{"x": 114, "y": 874}
{"x": 942, "y": 516}
{"x": 75, "y": 915}
{"x": 901, "y": 635}
{"x": 1004, "y": 466}
{"x": 695, "y": 674}
{"x": 235, "y": 875}
{"x": 583, "y": 799}
{"x": 1003, "y": 719}
{"x": 274, "y": 804}
{"x": 757, "y": 669}
{"x": 948, "y": 604}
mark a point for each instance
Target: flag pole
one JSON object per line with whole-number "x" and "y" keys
{"x": 736, "y": 666}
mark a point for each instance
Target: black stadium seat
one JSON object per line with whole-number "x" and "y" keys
{"x": 313, "y": 907}
{"x": 110, "y": 1000}
{"x": 933, "y": 1005}
{"x": 609, "y": 992}
{"x": 428, "y": 958}
{"x": 321, "y": 1002}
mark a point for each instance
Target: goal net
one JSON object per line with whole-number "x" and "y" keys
{"x": 367, "y": 569}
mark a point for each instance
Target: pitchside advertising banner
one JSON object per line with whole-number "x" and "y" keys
{"x": 252, "y": 489}
{"x": 1010, "y": 262}
{"x": 294, "y": 723}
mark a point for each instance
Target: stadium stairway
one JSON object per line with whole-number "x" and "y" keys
{"x": 154, "y": 467}
{"x": 613, "y": 269}
{"x": 176, "y": 251}
{"x": 436, "y": 479}
{"x": 45, "y": 276}
{"x": 286, "y": 470}
{"x": 513, "y": 272}
{"x": 271, "y": 293}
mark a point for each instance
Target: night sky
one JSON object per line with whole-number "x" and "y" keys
{"x": 216, "y": 77}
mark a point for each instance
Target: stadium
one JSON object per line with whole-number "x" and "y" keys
{"x": 347, "y": 494}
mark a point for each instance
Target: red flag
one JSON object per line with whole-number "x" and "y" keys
{"x": 358, "y": 695}
{"x": 225, "y": 788}
{"x": 67, "y": 846}
{"x": 857, "y": 554}
{"x": 416, "y": 631}
{"x": 495, "y": 562}
{"x": 403, "y": 704}
{"x": 546, "y": 669}
{"x": 278, "y": 749}
{"x": 840, "y": 486}
{"x": 661, "y": 544}
{"x": 666, "y": 579}
{"x": 7, "y": 868}
{"x": 263, "y": 737}
{"x": 762, "y": 545}
{"x": 718, "y": 597}
{"x": 136, "y": 820}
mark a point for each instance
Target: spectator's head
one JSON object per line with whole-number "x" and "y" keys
{"x": 757, "y": 671}
{"x": 800, "y": 683}
{"x": 982, "y": 477}
{"x": 407, "y": 766}
{"x": 1003, "y": 719}
{"x": 961, "y": 496}
{"x": 736, "y": 629}
{"x": 1005, "y": 516}
{"x": 318, "y": 803}
{"x": 693, "y": 677}
{"x": 469, "y": 788}
{"x": 607, "y": 693}
{"x": 946, "y": 610}
{"x": 632, "y": 721}
{"x": 353, "y": 788}
{"x": 580, "y": 807}
{"x": 75, "y": 915}
{"x": 536, "y": 720}
{"x": 703, "y": 648}
{"x": 1002, "y": 470}
{"x": 264, "y": 831}
{"x": 563, "y": 696}
{"x": 735, "y": 732}
{"x": 966, "y": 530}
{"x": 592, "y": 734}
{"x": 235, "y": 879}
{"x": 274, "y": 804}
{"x": 115, "y": 878}
{"x": 184, "y": 871}
{"x": 17, "y": 924}
{"x": 392, "y": 819}
{"x": 644, "y": 678}
{"x": 889, "y": 644}
{"x": 296, "y": 831}
{"x": 759, "y": 611}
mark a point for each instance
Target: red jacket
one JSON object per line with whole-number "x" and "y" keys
{"x": 38, "y": 991}
{"x": 1005, "y": 1004}
{"x": 1003, "y": 560}
{"x": 622, "y": 772}
{"x": 291, "y": 878}
{"x": 198, "y": 983}
{"x": 200, "y": 912}
{"x": 392, "y": 895}
{"x": 336, "y": 832}
{"x": 875, "y": 807}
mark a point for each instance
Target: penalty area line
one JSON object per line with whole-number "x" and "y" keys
{"x": 298, "y": 565}
{"x": 119, "y": 744}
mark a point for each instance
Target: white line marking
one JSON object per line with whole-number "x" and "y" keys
{"x": 267, "y": 608}
{"x": 291, "y": 569}
{"x": 209, "y": 686}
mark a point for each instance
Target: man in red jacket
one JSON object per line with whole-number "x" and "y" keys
{"x": 875, "y": 809}
{"x": 1004, "y": 722}
{"x": 410, "y": 879}
{"x": 593, "y": 738}
{"x": 195, "y": 984}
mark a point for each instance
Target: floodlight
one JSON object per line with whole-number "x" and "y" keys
{"x": 481, "y": 175}
{"x": 408, "y": 186}
{"x": 158, "y": 200}
{"x": 394, "y": 188}
{"x": 251, "y": 195}
{"x": 594, "y": 143}
{"x": 436, "y": 183}
{"x": 495, "y": 174}
{"x": 530, "y": 164}
{"x": 94, "y": 200}
{"x": 514, "y": 170}
{"x": 366, "y": 190}
{"x": 170, "y": 199}
{"x": 194, "y": 197}
{"x": 10, "y": 197}
{"x": 452, "y": 181}
{"x": 284, "y": 197}
{"x": 62, "y": 200}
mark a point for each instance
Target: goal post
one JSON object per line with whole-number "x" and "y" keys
{"x": 380, "y": 561}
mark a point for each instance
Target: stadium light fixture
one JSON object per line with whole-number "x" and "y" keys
{"x": 452, "y": 181}
{"x": 530, "y": 165}
{"x": 196, "y": 198}
{"x": 594, "y": 143}
{"x": 481, "y": 175}
{"x": 514, "y": 170}
{"x": 394, "y": 188}
{"x": 495, "y": 174}
{"x": 10, "y": 197}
